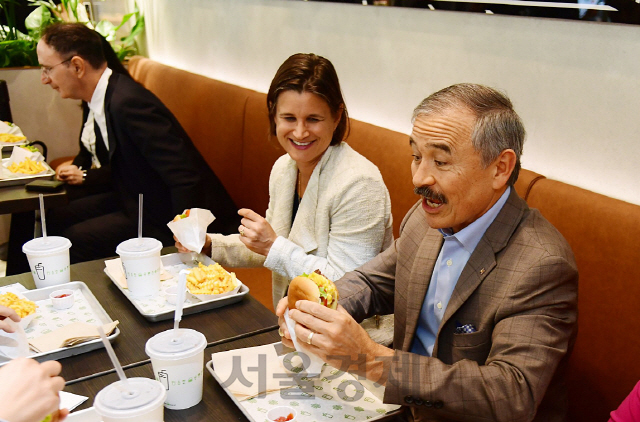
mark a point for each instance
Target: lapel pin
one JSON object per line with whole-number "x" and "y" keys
{"x": 482, "y": 271}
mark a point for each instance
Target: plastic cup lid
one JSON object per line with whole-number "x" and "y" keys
{"x": 135, "y": 246}
{"x": 169, "y": 345}
{"x": 46, "y": 246}
{"x": 145, "y": 394}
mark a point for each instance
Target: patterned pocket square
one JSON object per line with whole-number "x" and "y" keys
{"x": 465, "y": 329}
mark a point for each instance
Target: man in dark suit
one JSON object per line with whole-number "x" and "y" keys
{"x": 147, "y": 150}
{"x": 484, "y": 289}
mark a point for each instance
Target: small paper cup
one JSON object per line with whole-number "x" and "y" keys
{"x": 62, "y": 299}
{"x": 282, "y": 412}
{"x": 171, "y": 295}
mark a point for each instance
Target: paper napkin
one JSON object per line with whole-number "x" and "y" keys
{"x": 69, "y": 335}
{"x": 114, "y": 268}
{"x": 252, "y": 371}
{"x": 192, "y": 231}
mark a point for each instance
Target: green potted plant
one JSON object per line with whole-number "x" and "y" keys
{"x": 18, "y": 49}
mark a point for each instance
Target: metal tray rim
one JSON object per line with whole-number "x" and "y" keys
{"x": 209, "y": 366}
{"x": 80, "y": 348}
{"x": 188, "y": 309}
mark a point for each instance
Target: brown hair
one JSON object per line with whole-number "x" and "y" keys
{"x": 314, "y": 74}
{"x": 75, "y": 39}
{"x": 497, "y": 127}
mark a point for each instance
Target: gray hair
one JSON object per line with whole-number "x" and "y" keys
{"x": 497, "y": 127}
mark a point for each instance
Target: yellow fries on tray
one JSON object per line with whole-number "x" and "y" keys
{"x": 210, "y": 280}
{"x": 28, "y": 166}
{"x": 9, "y": 138}
{"x": 23, "y": 307}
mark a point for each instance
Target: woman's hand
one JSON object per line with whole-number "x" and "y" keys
{"x": 70, "y": 174}
{"x": 206, "y": 249}
{"x": 256, "y": 232}
{"x": 5, "y": 314}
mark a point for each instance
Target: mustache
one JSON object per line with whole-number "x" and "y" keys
{"x": 430, "y": 194}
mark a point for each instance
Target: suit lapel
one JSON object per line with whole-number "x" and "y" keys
{"x": 483, "y": 258}
{"x": 425, "y": 260}
{"x": 111, "y": 87}
{"x": 283, "y": 200}
{"x": 303, "y": 229}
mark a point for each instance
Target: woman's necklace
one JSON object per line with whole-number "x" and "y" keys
{"x": 299, "y": 184}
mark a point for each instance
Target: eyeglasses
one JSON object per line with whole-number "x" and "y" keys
{"x": 46, "y": 70}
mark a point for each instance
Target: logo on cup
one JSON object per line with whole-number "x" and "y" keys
{"x": 163, "y": 377}
{"x": 40, "y": 271}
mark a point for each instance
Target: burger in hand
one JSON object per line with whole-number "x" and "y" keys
{"x": 185, "y": 214}
{"x": 314, "y": 287}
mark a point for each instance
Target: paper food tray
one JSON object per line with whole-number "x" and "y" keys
{"x": 323, "y": 404}
{"x": 11, "y": 179}
{"x": 95, "y": 312}
{"x": 158, "y": 309}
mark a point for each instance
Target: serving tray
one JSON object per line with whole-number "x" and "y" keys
{"x": 158, "y": 309}
{"x": 323, "y": 398}
{"x": 11, "y": 179}
{"x": 87, "y": 309}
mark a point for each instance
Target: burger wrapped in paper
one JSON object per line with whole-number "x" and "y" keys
{"x": 314, "y": 287}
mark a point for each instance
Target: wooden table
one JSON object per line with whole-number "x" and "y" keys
{"x": 15, "y": 200}
{"x": 216, "y": 405}
{"x": 236, "y": 321}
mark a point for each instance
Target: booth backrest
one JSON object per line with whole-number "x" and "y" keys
{"x": 229, "y": 126}
{"x": 604, "y": 234}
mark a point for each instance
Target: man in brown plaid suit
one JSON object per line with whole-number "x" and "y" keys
{"x": 484, "y": 289}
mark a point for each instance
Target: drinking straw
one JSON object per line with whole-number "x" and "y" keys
{"x": 114, "y": 359}
{"x": 42, "y": 217}
{"x": 139, "y": 216}
{"x": 182, "y": 287}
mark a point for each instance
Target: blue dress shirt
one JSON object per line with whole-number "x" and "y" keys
{"x": 453, "y": 257}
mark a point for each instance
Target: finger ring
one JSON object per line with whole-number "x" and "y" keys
{"x": 242, "y": 232}
{"x": 280, "y": 332}
{"x": 310, "y": 337}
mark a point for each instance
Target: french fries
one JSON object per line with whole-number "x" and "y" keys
{"x": 23, "y": 307}
{"x": 8, "y": 137}
{"x": 28, "y": 166}
{"x": 210, "y": 280}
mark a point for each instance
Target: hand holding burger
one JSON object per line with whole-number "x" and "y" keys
{"x": 314, "y": 287}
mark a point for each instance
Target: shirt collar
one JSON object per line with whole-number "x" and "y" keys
{"x": 470, "y": 236}
{"x": 97, "y": 100}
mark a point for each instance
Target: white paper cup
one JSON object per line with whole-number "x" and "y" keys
{"x": 144, "y": 403}
{"x": 48, "y": 260}
{"x": 178, "y": 364}
{"x": 141, "y": 264}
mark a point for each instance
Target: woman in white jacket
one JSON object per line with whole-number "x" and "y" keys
{"x": 329, "y": 208}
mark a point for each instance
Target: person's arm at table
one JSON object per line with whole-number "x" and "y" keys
{"x": 29, "y": 391}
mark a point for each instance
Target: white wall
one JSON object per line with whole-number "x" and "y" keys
{"x": 576, "y": 85}
{"x": 41, "y": 114}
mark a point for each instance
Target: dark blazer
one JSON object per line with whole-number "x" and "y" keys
{"x": 520, "y": 290}
{"x": 150, "y": 153}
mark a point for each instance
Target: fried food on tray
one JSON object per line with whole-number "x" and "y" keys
{"x": 210, "y": 280}
{"x": 28, "y": 166}
{"x": 23, "y": 307}
{"x": 10, "y": 138}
